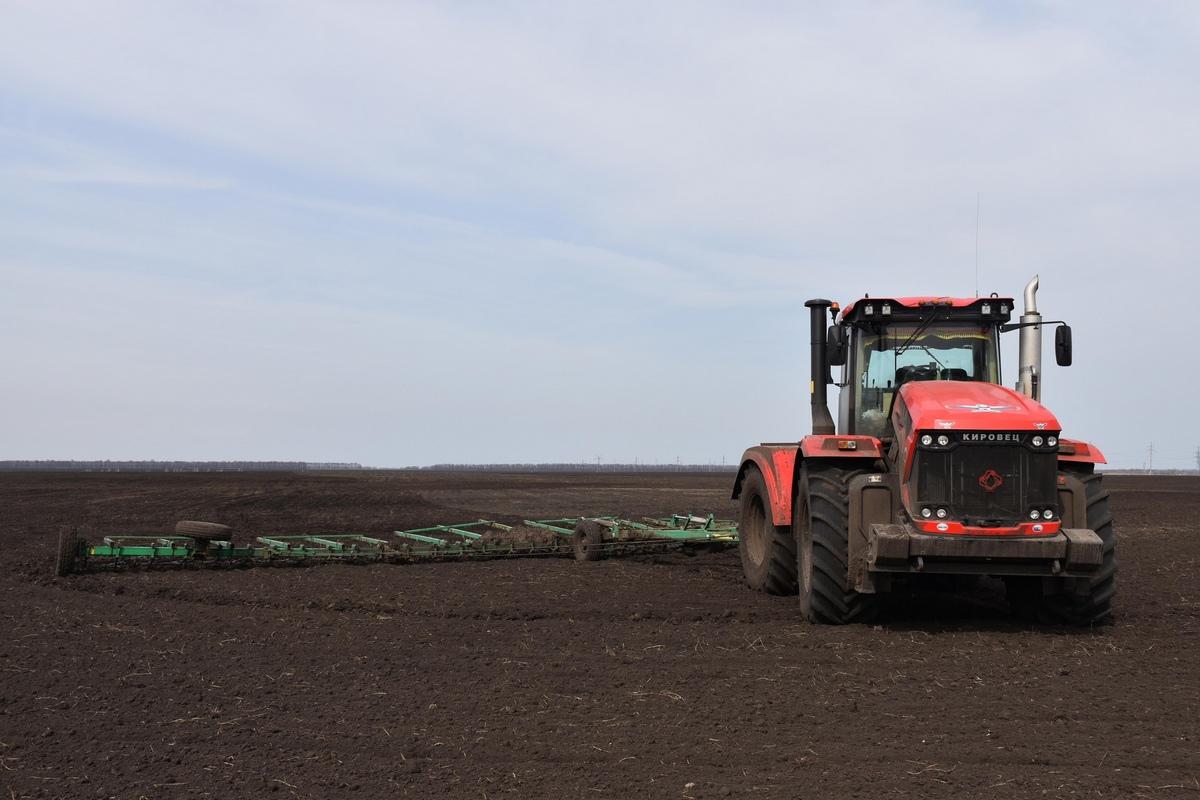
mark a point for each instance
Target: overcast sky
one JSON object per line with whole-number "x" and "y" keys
{"x": 491, "y": 232}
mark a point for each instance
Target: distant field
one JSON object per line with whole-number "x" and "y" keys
{"x": 645, "y": 677}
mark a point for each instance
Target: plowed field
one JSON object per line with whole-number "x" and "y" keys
{"x": 655, "y": 676}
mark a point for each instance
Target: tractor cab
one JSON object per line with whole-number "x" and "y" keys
{"x": 883, "y": 343}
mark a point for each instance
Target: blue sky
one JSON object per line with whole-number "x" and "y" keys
{"x": 407, "y": 234}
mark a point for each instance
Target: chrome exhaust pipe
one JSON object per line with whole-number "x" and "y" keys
{"x": 1029, "y": 378}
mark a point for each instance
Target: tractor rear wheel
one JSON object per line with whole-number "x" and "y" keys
{"x": 767, "y": 550}
{"x": 588, "y": 540}
{"x": 822, "y": 524}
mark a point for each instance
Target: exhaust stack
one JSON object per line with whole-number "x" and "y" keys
{"x": 822, "y": 422}
{"x": 1029, "y": 379}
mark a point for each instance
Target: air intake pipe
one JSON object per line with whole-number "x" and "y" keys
{"x": 822, "y": 422}
{"x": 1029, "y": 378}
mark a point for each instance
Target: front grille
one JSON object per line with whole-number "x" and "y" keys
{"x": 957, "y": 478}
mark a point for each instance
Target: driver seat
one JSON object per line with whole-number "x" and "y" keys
{"x": 922, "y": 372}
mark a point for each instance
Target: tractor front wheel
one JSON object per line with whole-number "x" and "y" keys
{"x": 767, "y": 550}
{"x": 1091, "y": 603}
{"x": 822, "y": 534}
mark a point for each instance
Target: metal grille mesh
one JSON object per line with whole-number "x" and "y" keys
{"x": 953, "y": 478}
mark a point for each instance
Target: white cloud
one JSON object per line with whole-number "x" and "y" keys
{"x": 680, "y": 167}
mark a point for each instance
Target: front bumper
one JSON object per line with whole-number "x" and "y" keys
{"x": 1070, "y": 553}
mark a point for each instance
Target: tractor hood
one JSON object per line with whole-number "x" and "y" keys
{"x": 974, "y": 406}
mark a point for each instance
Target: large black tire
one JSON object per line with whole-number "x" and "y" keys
{"x": 68, "y": 551}
{"x": 768, "y": 551}
{"x": 589, "y": 540}
{"x": 204, "y": 531}
{"x": 1094, "y": 605}
{"x": 822, "y": 527}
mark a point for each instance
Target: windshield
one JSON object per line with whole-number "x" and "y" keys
{"x": 903, "y": 353}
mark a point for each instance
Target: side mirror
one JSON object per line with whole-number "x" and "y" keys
{"x": 1062, "y": 345}
{"x": 835, "y": 347}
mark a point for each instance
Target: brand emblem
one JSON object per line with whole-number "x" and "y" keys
{"x": 1041, "y": 426}
{"x": 992, "y": 436}
{"x": 991, "y": 480}
{"x": 984, "y": 408}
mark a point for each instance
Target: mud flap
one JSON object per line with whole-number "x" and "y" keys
{"x": 1072, "y": 501}
{"x": 874, "y": 499}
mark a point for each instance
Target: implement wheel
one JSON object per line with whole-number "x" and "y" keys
{"x": 68, "y": 552}
{"x": 768, "y": 551}
{"x": 588, "y": 540}
{"x": 203, "y": 531}
{"x": 821, "y": 522}
{"x": 1086, "y": 605}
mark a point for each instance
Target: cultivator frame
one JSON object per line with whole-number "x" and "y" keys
{"x": 588, "y": 537}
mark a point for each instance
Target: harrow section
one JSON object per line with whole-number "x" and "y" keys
{"x": 201, "y": 544}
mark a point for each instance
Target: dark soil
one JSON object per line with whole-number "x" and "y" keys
{"x": 652, "y": 676}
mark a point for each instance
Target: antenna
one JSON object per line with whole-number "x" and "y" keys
{"x": 977, "y": 199}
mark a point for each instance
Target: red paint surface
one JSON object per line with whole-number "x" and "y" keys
{"x": 918, "y": 302}
{"x": 1084, "y": 453}
{"x": 823, "y": 446}
{"x": 777, "y": 463}
{"x": 974, "y": 406}
{"x": 957, "y": 528}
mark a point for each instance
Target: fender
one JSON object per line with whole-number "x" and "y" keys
{"x": 814, "y": 446}
{"x": 1077, "y": 452}
{"x": 777, "y": 461}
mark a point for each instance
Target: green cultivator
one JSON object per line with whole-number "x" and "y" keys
{"x": 207, "y": 544}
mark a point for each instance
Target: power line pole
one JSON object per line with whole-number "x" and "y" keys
{"x": 1150, "y": 467}
{"x": 1198, "y": 458}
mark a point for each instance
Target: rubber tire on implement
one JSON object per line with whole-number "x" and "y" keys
{"x": 767, "y": 550}
{"x": 588, "y": 540}
{"x": 822, "y": 524}
{"x": 68, "y": 551}
{"x": 1094, "y": 607}
{"x": 204, "y": 531}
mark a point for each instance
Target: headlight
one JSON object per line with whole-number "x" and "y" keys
{"x": 1037, "y": 441}
{"x": 941, "y": 512}
{"x": 1052, "y": 441}
{"x": 926, "y": 513}
{"x": 1048, "y": 513}
{"x": 1035, "y": 514}
{"x": 943, "y": 440}
{"x": 927, "y": 440}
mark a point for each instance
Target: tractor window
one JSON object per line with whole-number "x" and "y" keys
{"x": 886, "y": 360}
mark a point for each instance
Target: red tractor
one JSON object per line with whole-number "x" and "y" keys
{"x": 934, "y": 468}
